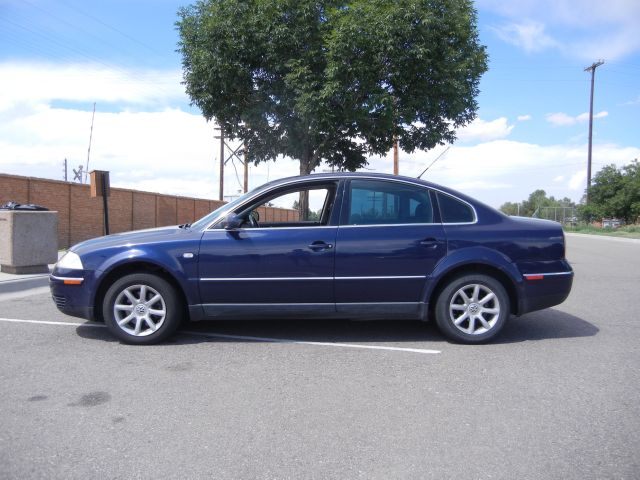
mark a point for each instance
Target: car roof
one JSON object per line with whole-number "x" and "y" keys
{"x": 386, "y": 176}
{"x": 372, "y": 175}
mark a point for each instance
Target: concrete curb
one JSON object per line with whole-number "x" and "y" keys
{"x": 20, "y": 284}
{"x": 10, "y": 283}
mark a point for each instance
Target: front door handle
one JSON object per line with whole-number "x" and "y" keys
{"x": 320, "y": 245}
{"x": 431, "y": 243}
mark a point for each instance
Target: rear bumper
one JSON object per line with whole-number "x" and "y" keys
{"x": 544, "y": 290}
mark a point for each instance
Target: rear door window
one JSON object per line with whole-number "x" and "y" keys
{"x": 453, "y": 210}
{"x": 373, "y": 202}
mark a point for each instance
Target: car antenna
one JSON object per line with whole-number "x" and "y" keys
{"x": 437, "y": 158}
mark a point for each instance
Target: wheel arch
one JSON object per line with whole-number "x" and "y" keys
{"x": 476, "y": 268}
{"x": 137, "y": 266}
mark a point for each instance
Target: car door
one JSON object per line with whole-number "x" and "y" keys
{"x": 388, "y": 243}
{"x": 281, "y": 266}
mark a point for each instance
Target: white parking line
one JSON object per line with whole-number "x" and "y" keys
{"x": 304, "y": 342}
{"x": 242, "y": 337}
{"x": 45, "y": 322}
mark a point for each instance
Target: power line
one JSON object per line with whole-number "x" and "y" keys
{"x": 54, "y": 40}
{"x": 111, "y": 27}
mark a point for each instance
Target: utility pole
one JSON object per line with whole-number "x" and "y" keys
{"x": 396, "y": 161}
{"x": 232, "y": 153}
{"x": 221, "y": 188}
{"x": 592, "y": 69}
{"x": 246, "y": 171}
{"x": 65, "y": 170}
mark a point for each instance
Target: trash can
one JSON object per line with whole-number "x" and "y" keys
{"x": 28, "y": 238}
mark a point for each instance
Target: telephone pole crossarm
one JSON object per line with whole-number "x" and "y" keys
{"x": 238, "y": 153}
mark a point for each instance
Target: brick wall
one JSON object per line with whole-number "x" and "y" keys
{"x": 80, "y": 216}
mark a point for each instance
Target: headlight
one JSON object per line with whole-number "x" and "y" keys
{"x": 71, "y": 261}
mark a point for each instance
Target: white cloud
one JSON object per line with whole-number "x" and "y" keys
{"x": 562, "y": 119}
{"x": 172, "y": 151}
{"x": 506, "y": 170}
{"x": 585, "y": 13}
{"x": 524, "y": 118}
{"x": 632, "y": 102}
{"x": 25, "y": 85}
{"x": 585, "y": 30}
{"x": 481, "y": 130}
{"x": 529, "y": 35}
{"x": 578, "y": 181}
{"x": 168, "y": 150}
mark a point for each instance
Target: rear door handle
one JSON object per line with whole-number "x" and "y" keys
{"x": 320, "y": 245}
{"x": 431, "y": 243}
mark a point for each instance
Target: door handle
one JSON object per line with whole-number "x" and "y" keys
{"x": 431, "y": 243}
{"x": 320, "y": 245}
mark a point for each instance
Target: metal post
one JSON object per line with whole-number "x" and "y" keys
{"x": 591, "y": 69}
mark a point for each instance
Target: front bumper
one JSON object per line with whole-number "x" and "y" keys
{"x": 72, "y": 298}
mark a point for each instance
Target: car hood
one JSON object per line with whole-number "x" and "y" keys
{"x": 136, "y": 237}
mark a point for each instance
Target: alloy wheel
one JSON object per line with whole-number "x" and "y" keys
{"x": 139, "y": 310}
{"x": 474, "y": 309}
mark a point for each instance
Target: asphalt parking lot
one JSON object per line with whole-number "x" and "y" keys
{"x": 557, "y": 396}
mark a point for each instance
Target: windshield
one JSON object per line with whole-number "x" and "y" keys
{"x": 227, "y": 207}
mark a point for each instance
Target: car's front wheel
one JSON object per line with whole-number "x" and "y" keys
{"x": 472, "y": 308}
{"x": 141, "y": 309}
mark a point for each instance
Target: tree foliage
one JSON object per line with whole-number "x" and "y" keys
{"x": 537, "y": 200}
{"x": 330, "y": 80}
{"x": 614, "y": 193}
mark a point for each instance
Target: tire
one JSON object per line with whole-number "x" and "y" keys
{"x": 472, "y": 309}
{"x": 141, "y": 309}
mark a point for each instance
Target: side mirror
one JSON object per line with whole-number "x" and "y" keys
{"x": 232, "y": 222}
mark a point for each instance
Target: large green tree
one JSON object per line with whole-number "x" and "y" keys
{"x": 615, "y": 192}
{"x": 330, "y": 80}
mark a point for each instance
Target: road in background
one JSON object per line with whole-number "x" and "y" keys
{"x": 555, "y": 397}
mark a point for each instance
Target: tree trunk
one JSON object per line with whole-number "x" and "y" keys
{"x": 303, "y": 203}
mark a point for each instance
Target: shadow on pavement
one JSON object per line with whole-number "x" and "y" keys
{"x": 546, "y": 324}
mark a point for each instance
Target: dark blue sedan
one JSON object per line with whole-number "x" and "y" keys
{"x": 362, "y": 246}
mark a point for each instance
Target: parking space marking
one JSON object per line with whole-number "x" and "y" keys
{"x": 307, "y": 342}
{"x": 46, "y": 322}
{"x": 242, "y": 337}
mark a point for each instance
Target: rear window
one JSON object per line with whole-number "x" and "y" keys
{"x": 453, "y": 210}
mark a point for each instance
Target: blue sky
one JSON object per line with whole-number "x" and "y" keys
{"x": 59, "y": 57}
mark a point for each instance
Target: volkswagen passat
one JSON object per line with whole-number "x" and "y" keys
{"x": 366, "y": 247}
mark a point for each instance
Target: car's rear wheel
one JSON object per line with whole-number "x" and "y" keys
{"x": 141, "y": 309}
{"x": 472, "y": 308}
